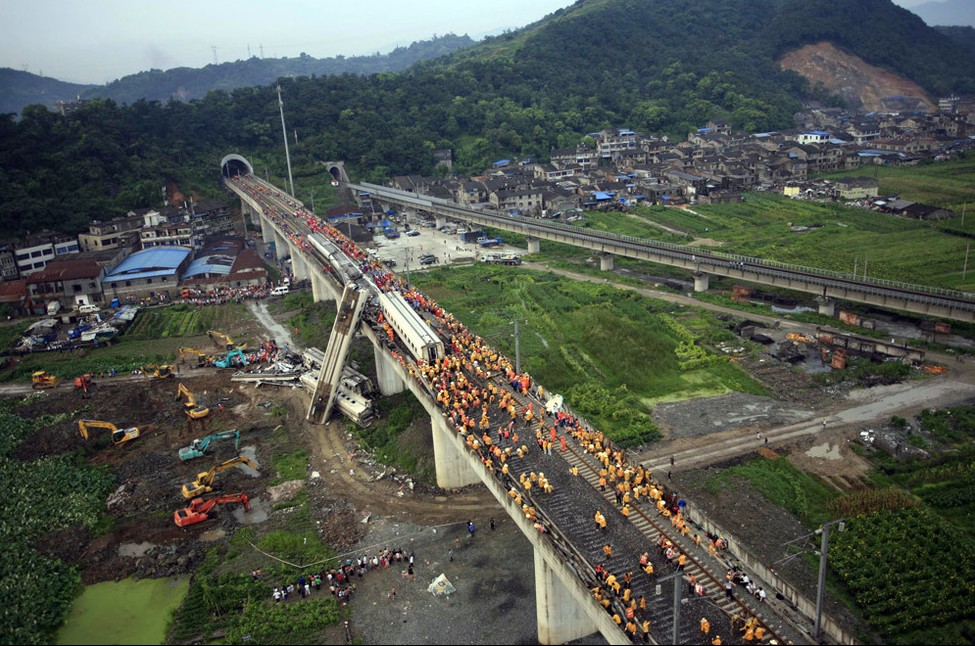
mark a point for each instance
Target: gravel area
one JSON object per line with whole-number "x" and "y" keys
{"x": 702, "y": 417}
{"x": 494, "y": 597}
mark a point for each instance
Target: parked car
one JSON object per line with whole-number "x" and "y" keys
{"x": 413, "y": 233}
{"x": 428, "y": 259}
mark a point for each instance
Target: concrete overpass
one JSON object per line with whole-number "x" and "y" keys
{"x": 566, "y": 544}
{"x": 827, "y": 286}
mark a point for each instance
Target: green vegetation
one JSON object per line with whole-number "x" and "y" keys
{"x": 131, "y": 611}
{"x": 310, "y": 321}
{"x": 612, "y": 353}
{"x": 290, "y": 466}
{"x": 908, "y": 571}
{"x": 386, "y": 437}
{"x": 40, "y": 496}
{"x": 781, "y": 483}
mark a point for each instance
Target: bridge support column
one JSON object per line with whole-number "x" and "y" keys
{"x": 298, "y": 265}
{"x": 267, "y": 233}
{"x": 534, "y": 245}
{"x": 389, "y": 382}
{"x": 701, "y": 281}
{"x": 606, "y": 262}
{"x": 827, "y": 306}
{"x": 281, "y": 246}
{"x": 560, "y": 619}
{"x": 318, "y": 290}
{"x": 440, "y": 220}
{"x": 453, "y": 467}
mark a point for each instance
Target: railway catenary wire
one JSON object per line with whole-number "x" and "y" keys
{"x": 703, "y": 257}
{"x": 561, "y": 516}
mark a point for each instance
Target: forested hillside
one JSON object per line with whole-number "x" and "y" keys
{"x": 658, "y": 66}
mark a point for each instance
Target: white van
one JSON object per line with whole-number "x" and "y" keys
{"x": 88, "y": 308}
{"x": 280, "y": 290}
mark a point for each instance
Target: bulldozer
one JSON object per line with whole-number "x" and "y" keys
{"x": 43, "y": 379}
{"x": 160, "y": 371}
{"x": 192, "y": 409}
{"x": 204, "y": 480}
{"x": 119, "y": 435}
{"x": 198, "y": 446}
{"x": 199, "y": 508}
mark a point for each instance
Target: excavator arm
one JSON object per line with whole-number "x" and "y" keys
{"x": 204, "y": 480}
{"x": 193, "y": 410}
{"x": 119, "y": 435}
{"x": 199, "y": 508}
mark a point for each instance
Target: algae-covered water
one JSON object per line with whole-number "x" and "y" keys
{"x": 131, "y": 611}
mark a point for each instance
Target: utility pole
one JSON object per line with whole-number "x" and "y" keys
{"x": 284, "y": 131}
{"x": 821, "y": 590}
{"x": 678, "y": 579}
{"x": 965, "y": 269}
{"x": 214, "y": 48}
{"x": 518, "y": 345}
{"x": 312, "y": 200}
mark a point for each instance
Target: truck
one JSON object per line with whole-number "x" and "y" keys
{"x": 490, "y": 242}
{"x": 391, "y": 233}
{"x": 501, "y": 259}
{"x": 470, "y": 236}
{"x": 53, "y": 307}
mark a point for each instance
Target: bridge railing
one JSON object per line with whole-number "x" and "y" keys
{"x": 908, "y": 291}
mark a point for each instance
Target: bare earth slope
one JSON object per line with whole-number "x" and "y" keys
{"x": 863, "y": 85}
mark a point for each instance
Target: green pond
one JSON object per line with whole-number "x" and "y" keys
{"x": 131, "y": 611}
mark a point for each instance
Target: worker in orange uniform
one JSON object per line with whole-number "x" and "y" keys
{"x": 705, "y": 625}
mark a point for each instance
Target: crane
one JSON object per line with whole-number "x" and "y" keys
{"x": 193, "y": 410}
{"x": 199, "y": 509}
{"x": 204, "y": 480}
{"x": 199, "y": 446}
{"x": 119, "y": 435}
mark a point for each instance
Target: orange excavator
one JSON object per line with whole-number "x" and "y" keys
{"x": 199, "y": 509}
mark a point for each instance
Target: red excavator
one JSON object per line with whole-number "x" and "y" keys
{"x": 199, "y": 509}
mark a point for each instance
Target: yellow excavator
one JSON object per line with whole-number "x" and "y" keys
{"x": 202, "y": 358}
{"x": 192, "y": 409}
{"x": 204, "y": 481}
{"x": 119, "y": 435}
{"x": 223, "y": 341}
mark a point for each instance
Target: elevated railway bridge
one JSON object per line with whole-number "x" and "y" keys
{"x": 827, "y": 286}
{"x": 545, "y": 473}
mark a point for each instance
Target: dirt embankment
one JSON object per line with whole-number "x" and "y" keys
{"x": 864, "y": 86}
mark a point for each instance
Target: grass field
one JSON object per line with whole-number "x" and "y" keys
{"x": 613, "y": 354}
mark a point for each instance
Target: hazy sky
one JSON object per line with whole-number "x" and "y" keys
{"x": 97, "y": 41}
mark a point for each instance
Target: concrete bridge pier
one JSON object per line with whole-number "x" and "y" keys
{"x": 440, "y": 220}
{"x": 701, "y": 281}
{"x": 557, "y": 609}
{"x": 319, "y": 290}
{"x": 453, "y": 466}
{"x": 267, "y": 233}
{"x": 389, "y": 382}
{"x": 298, "y": 265}
{"x": 534, "y": 245}
{"x": 606, "y": 261}
{"x": 281, "y": 246}
{"x": 827, "y": 306}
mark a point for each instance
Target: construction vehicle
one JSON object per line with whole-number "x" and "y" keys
{"x": 162, "y": 371}
{"x": 202, "y": 358}
{"x": 84, "y": 381}
{"x": 199, "y": 508}
{"x": 204, "y": 480}
{"x": 199, "y": 446}
{"x": 192, "y": 409}
{"x": 119, "y": 435}
{"x": 43, "y": 379}
{"x": 233, "y": 359}
{"x": 223, "y": 341}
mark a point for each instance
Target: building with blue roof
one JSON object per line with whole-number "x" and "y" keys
{"x": 150, "y": 272}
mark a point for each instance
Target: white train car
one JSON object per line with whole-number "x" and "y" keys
{"x": 343, "y": 266}
{"x": 412, "y": 331}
